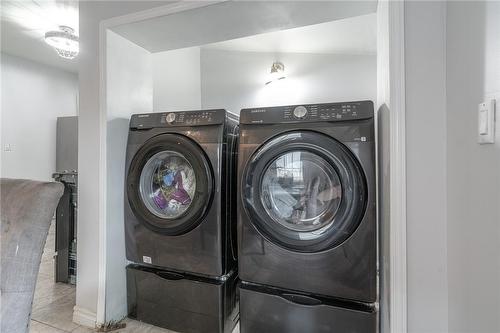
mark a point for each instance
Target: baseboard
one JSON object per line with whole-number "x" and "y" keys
{"x": 84, "y": 317}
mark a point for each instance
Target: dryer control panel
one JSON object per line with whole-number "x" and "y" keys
{"x": 177, "y": 118}
{"x": 308, "y": 113}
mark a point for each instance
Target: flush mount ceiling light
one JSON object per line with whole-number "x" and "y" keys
{"x": 277, "y": 72}
{"x": 64, "y": 41}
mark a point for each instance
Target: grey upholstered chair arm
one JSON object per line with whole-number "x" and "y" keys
{"x": 26, "y": 207}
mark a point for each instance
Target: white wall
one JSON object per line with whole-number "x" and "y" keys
{"x": 130, "y": 90}
{"x": 33, "y": 96}
{"x": 426, "y": 166}
{"x": 188, "y": 79}
{"x": 452, "y": 64}
{"x": 176, "y": 80}
{"x": 90, "y": 144}
{"x": 236, "y": 80}
{"x": 473, "y": 171}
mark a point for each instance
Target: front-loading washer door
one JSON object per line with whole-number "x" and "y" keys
{"x": 304, "y": 191}
{"x": 170, "y": 184}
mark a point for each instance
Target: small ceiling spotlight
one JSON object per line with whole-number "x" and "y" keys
{"x": 277, "y": 72}
{"x": 64, "y": 41}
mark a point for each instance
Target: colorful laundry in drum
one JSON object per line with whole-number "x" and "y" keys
{"x": 174, "y": 185}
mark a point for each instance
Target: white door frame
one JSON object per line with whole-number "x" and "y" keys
{"x": 398, "y": 292}
{"x": 397, "y": 224}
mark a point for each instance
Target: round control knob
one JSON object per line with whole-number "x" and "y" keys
{"x": 300, "y": 112}
{"x": 170, "y": 117}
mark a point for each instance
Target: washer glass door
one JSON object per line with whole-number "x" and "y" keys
{"x": 170, "y": 184}
{"x": 167, "y": 184}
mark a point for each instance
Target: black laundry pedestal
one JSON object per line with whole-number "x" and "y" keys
{"x": 182, "y": 302}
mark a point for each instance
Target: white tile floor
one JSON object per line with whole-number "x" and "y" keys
{"x": 53, "y": 302}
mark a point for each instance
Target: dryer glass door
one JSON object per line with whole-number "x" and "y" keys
{"x": 170, "y": 184}
{"x": 301, "y": 191}
{"x": 304, "y": 191}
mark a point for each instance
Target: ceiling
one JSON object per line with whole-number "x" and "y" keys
{"x": 237, "y": 19}
{"x": 356, "y": 35}
{"x": 23, "y": 26}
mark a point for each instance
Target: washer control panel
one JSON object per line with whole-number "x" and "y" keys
{"x": 178, "y": 118}
{"x": 308, "y": 113}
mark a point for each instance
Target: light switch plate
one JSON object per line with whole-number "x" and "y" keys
{"x": 486, "y": 122}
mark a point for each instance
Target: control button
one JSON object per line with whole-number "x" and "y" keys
{"x": 300, "y": 112}
{"x": 170, "y": 117}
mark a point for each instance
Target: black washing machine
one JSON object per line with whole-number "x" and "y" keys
{"x": 180, "y": 225}
{"x": 179, "y": 183}
{"x": 307, "y": 227}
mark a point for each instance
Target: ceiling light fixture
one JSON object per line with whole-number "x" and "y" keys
{"x": 277, "y": 72}
{"x": 64, "y": 41}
